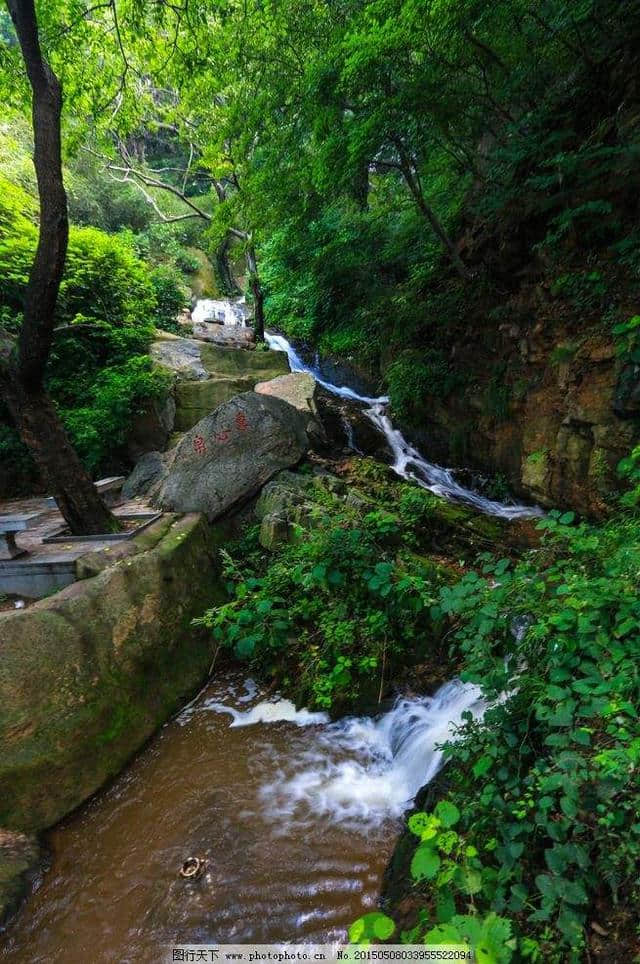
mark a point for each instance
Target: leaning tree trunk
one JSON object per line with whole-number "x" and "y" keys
{"x": 412, "y": 180}
{"x": 256, "y": 291}
{"x": 42, "y": 431}
{"x": 22, "y": 375}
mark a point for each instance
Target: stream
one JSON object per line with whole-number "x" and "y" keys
{"x": 295, "y": 816}
{"x": 408, "y": 463}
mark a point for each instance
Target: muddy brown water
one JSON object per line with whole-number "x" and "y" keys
{"x": 201, "y": 787}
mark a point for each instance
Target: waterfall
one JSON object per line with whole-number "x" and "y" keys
{"x": 408, "y": 463}
{"x": 359, "y": 770}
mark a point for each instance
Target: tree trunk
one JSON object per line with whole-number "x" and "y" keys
{"x": 409, "y": 172}
{"x": 256, "y": 291}
{"x": 42, "y": 431}
{"x": 22, "y": 378}
{"x": 223, "y": 269}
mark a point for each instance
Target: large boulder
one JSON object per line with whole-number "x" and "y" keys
{"x": 229, "y": 372}
{"x": 88, "y": 674}
{"x": 228, "y": 336}
{"x": 229, "y": 455}
{"x": 348, "y": 427}
{"x": 298, "y": 389}
{"x": 181, "y": 355}
{"x": 148, "y": 472}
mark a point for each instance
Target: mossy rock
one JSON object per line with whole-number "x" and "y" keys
{"x": 441, "y": 526}
{"x": 261, "y": 365}
{"x": 195, "y": 400}
{"x": 87, "y": 675}
{"x": 231, "y": 372}
{"x": 19, "y": 857}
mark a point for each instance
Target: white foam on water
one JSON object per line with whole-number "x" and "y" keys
{"x": 268, "y": 711}
{"x": 358, "y": 771}
{"x": 408, "y": 463}
{"x": 362, "y": 771}
{"x": 221, "y": 310}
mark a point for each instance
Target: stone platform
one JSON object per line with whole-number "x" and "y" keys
{"x": 46, "y": 567}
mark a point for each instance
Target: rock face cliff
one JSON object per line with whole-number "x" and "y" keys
{"x": 551, "y": 411}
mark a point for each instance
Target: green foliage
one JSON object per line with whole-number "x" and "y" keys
{"x": 627, "y": 335}
{"x": 98, "y": 372}
{"x": 334, "y": 612}
{"x": 103, "y": 278}
{"x": 100, "y": 426}
{"x": 19, "y": 474}
{"x": 584, "y": 290}
{"x": 497, "y": 396}
{"x": 167, "y": 244}
{"x": 554, "y": 641}
{"x": 629, "y": 469}
{"x": 371, "y": 927}
{"x": 414, "y": 377}
{"x": 563, "y": 354}
{"x": 170, "y": 297}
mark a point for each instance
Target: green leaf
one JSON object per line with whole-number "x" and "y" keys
{"x": 567, "y": 518}
{"x": 444, "y": 934}
{"x": 372, "y": 926}
{"x": 482, "y": 766}
{"x": 425, "y": 863}
{"x": 445, "y": 906}
{"x": 447, "y": 813}
{"x": 246, "y": 646}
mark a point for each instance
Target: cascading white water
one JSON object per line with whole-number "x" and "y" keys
{"x": 221, "y": 311}
{"x": 408, "y": 463}
{"x": 359, "y": 770}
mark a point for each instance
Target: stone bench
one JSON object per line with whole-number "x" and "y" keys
{"x": 10, "y": 525}
{"x": 108, "y": 488}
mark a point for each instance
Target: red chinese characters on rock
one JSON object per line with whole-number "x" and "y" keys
{"x": 241, "y": 421}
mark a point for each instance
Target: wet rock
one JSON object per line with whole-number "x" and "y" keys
{"x": 229, "y": 336}
{"x": 19, "y": 858}
{"x": 348, "y": 428}
{"x": 181, "y": 355}
{"x": 229, "y": 455}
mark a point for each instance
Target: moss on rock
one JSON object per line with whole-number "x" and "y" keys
{"x": 87, "y": 675}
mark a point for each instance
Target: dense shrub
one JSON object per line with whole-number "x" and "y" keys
{"x": 415, "y": 377}
{"x": 99, "y": 427}
{"x": 171, "y": 297}
{"x": 98, "y": 372}
{"x": 332, "y": 615}
{"x": 552, "y": 822}
{"x": 103, "y": 278}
